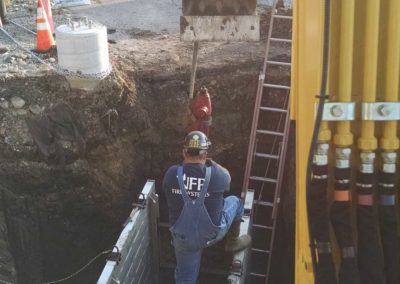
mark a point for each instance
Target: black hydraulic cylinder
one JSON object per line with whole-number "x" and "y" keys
{"x": 341, "y": 222}
{"x": 388, "y": 221}
{"x": 319, "y": 224}
{"x": 370, "y": 257}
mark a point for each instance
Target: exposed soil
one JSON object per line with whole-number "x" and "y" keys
{"x": 58, "y": 216}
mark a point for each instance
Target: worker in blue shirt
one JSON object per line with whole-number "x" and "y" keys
{"x": 199, "y": 215}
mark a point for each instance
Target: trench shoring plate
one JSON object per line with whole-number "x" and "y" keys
{"x": 218, "y": 7}
{"x": 220, "y": 28}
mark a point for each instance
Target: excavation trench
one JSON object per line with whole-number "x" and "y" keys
{"x": 60, "y": 209}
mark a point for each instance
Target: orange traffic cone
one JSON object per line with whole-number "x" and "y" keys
{"x": 49, "y": 14}
{"x": 44, "y": 36}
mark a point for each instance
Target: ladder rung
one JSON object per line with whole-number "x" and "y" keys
{"x": 263, "y": 179}
{"x": 274, "y": 109}
{"x": 279, "y": 63}
{"x": 267, "y": 156}
{"x": 262, "y": 226}
{"x": 280, "y": 39}
{"x": 258, "y": 274}
{"x": 270, "y": 132}
{"x": 283, "y": 17}
{"x": 264, "y": 203}
{"x": 261, "y": 250}
{"x": 277, "y": 86}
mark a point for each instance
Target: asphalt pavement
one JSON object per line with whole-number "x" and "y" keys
{"x": 151, "y": 15}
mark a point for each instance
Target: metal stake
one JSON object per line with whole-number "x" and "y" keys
{"x": 194, "y": 68}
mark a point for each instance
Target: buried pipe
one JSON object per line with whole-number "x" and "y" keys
{"x": 370, "y": 258}
{"x": 201, "y": 110}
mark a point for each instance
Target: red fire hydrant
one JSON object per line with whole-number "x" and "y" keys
{"x": 200, "y": 108}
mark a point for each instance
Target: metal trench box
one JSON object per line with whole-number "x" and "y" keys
{"x": 137, "y": 245}
{"x": 140, "y": 250}
{"x": 219, "y": 20}
{"x": 241, "y": 261}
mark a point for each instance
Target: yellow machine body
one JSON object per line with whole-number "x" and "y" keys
{"x": 306, "y": 74}
{"x": 364, "y": 67}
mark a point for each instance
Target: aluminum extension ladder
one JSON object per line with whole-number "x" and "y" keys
{"x": 265, "y": 176}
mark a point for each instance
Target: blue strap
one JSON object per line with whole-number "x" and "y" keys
{"x": 203, "y": 191}
{"x": 388, "y": 200}
{"x": 185, "y": 196}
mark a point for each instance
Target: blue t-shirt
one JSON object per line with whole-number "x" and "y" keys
{"x": 193, "y": 179}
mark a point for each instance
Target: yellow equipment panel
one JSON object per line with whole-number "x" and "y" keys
{"x": 364, "y": 67}
{"x": 306, "y": 78}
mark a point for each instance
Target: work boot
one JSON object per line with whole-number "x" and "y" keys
{"x": 234, "y": 243}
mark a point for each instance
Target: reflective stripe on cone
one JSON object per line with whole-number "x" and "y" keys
{"x": 49, "y": 14}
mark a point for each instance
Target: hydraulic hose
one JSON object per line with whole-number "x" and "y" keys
{"x": 387, "y": 187}
{"x": 370, "y": 256}
{"x": 322, "y": 97}
{"x": 319, "y": 221}
{"x": 389, "y": 143}
{"x": 341, "y": 207}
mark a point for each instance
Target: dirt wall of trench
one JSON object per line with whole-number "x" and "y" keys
{"x": 61, "y": 209}
{"x": 59, "y": 216}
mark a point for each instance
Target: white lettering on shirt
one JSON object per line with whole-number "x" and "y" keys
{"x": 192, "y": 184}
{"x": 190, "y": 193}
{"x": 200, "y": 183}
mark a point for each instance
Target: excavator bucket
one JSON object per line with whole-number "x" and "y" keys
{"x": 220, "y": 20}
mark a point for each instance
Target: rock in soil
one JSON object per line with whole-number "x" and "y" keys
{"x": 17, "y": 102}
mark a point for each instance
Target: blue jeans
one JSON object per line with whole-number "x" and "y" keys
{"x": 188, "y": 262}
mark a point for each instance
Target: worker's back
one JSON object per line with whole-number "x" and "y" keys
{"x": 194, "y": 175}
